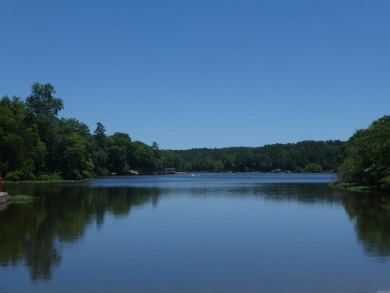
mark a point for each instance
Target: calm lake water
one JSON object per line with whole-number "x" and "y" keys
{"x": 196, "y": 233}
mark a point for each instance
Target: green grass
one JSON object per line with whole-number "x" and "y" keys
{"x": 351, "y": 187}
{"x": 42, "y": 182}
{"x": 21, "y": 199}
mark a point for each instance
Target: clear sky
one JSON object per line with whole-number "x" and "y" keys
{"x": 197, "y": 73}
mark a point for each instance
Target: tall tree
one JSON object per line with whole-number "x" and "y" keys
{"x": 100, "y": 152}
{"x": 44, "y": 108}
{"x": 42, "y": 100}
{"x": 100, "y": 135}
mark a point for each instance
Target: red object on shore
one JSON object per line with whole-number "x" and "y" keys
{"x": 1, "y": 178}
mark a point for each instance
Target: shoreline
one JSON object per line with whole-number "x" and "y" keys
{"x": 355, "y": 187}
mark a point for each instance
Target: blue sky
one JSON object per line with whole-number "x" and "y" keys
{"x": 198, "y": 73}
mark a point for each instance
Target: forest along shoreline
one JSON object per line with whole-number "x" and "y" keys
{"x": 37, "y": 146}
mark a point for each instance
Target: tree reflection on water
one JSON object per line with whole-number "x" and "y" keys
{"x": 371, "y": 213}
{"x": 35, "y": 234}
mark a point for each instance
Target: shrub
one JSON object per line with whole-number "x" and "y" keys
{"x": 49, "y": 177}
{"x": 14, "y": 176}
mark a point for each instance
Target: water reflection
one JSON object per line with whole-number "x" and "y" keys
{"x": 371, "y": 214}
{"x": 309, "y": 193}
{"x": 34, "y": 235}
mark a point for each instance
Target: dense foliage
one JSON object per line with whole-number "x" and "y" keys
{"x": 35, "y": 144}
{"x": 367, "y": 159}
{"x": 305, "y": 156}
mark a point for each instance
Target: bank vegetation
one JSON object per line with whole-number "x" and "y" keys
{"x": 37, "y": 145}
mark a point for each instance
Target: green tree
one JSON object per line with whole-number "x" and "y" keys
{"x": 218, "y": 166}
{"x": 118, "y": 153}
{"x": 367, "y": 160}
{"x": 43, "y": 110}
{"x": 76, "y": 150}
{"x": 313, "y": 168}
{"x": 42, "y": 102}
{"x": 143, "y": 158}
{"x": 100, "y": 135}
{"x": 100, "y": 155}
{"x": 20, "y": 146}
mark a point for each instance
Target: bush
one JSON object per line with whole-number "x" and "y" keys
{"x": 385, "y": 183}
{"x": 20, "y": 175}
{"x": 49, "y": 177}
{"x": 14, "y": 176}
{"x": 313, "y": 168}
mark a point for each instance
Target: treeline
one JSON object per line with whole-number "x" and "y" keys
{"x": 305, "y": 156}
{"x": 35, "y": 144}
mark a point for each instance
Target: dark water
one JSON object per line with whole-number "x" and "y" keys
{"x": 196, "y": 233}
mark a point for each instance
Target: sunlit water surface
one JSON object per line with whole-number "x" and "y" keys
{"x": 196, "y": 233}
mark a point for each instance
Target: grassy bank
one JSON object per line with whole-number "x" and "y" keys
{"x": 352, "y": 187}
{"x": 21, "y": 199}
{"x": 42, "y": 182}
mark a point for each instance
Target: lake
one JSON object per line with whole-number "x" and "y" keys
{"x": 187, "y": 233}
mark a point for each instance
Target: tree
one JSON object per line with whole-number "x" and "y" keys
{"x": 100, "y": 151}
{"x": 42, "y": 102}
{"x": 43, "y": 109}
{"x": 34, "y": 142}
{"x": 20, "y": 146}
{"x": 100, "y": 135}
{"x": 143, "y": 158}
{"x": 118, "y": 152}
{"x": 367, "y": 161}
{"x": 75, "y": 150}
{"x": 313, "y": 168}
